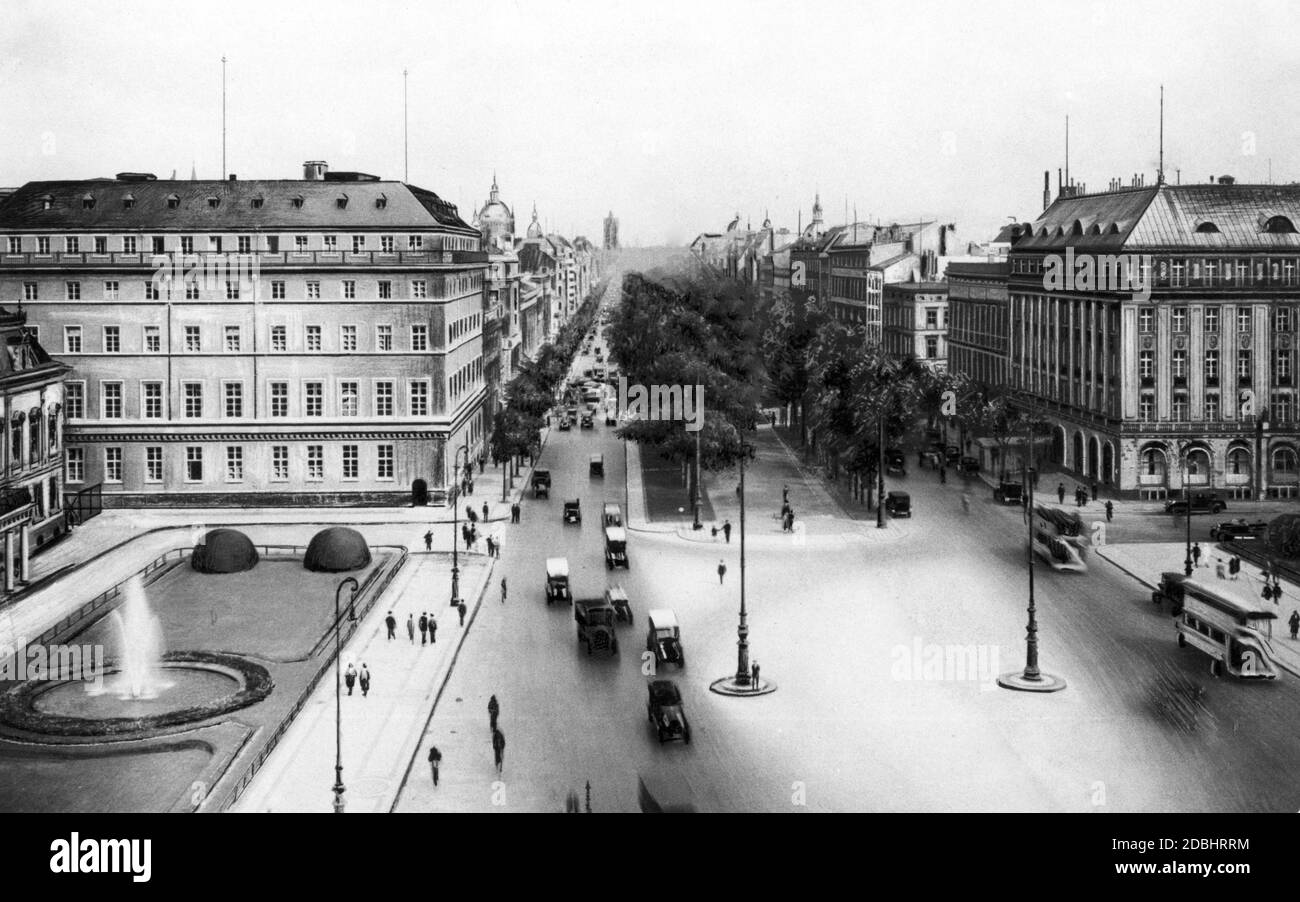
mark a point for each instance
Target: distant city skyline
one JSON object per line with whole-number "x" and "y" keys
{"x": 676, "y": 115}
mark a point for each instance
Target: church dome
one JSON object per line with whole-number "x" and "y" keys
{"x": 534, "y": 227}
{"x": 495, "y": 222}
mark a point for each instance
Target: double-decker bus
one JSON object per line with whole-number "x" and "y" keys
{"x": 1058, "y": 538}
{"x": 1233, "y": 631}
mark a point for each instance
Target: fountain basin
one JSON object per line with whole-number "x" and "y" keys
{"x": 198, "y": 686}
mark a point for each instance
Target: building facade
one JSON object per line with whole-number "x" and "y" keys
{"x": 611, "y": 232}
{"x": 309, "y": 340}
{"x": 915, "y": 317}
{"x": 977, "y": 321}
{"x": 1155, "y": 327}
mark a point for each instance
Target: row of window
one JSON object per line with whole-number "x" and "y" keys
{"x": 1283, "y": 318}
{"x": 1281, "y": 407}
{"x": 213, "y": 289}
{"x": 232, "y": 398}
{"x": 312, "y": 461}
{"x": 1180, "y": 273}
{"x": 1282, "y": 359}
{"x": 243, "y": 244}
{"x": 468, "y": 377}
{"x": 466, "y": 325}
{"x": 232, "y": 338}
{"x": 1197, "y": 461}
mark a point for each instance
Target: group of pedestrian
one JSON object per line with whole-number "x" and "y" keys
{"x": 498, "y": 738}
{"x": 514, "y": 512}
{"x": 1233, "y": 564}
{"x": 428, "y": 628}
{"x": 494, "y": 546}
{"x": 469, "y": 532}
{"x": 1294, "y": 623}
{"x": 351, "y": 677}
{"x": 725, "y": 529}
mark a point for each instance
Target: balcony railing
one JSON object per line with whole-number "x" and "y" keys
{"x": 283, "y": 258}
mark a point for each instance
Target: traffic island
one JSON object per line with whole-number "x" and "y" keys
{"x": 1044, "y": 682}
{"x": 729, "y": 686}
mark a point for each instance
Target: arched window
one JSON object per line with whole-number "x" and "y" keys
{"x": 1153, "y": 462}
{"x": 1239, "y": 462}
{"x": 1279, "y": 225}
{"x": 1198, "y": 466}
{"x": 1207, "y": 228}
{"x": 1285, "y": 461}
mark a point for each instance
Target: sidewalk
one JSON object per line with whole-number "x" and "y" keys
{"x": 1146, "y": 561}
{"x": 381, "y": 732}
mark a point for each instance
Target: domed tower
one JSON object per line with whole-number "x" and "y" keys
{"x": 495, "y": 222}
{"x": 534, "y": 227}
{"x": 815, "y": 227}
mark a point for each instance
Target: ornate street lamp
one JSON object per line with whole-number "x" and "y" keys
{"x": 338, "y": 705}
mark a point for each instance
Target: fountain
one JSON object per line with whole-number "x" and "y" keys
{"x": 139, "y": 646}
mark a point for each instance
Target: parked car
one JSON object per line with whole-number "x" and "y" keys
{"x": 597, "y": 466}
{"x": 616, "y": 548}
{"x": 587, "y": 422}
{"x": 952, "y": 454}
{"x": 1237, "y": 530}
{"x": 573, "y": 511}
{"x": 565, "y": 424}
{"x": 613, "y": 514}
{"x": 1201, "y": 503}
{"x": 898, "y": 504}
{"x": 541, "y": 483}
{"x": 969, "y": 466}
{"x": 895, "y": 462}
{"x": 664, "y": 638}
{"x": 1009, "y": 493}
{"x": 557, "y": 580}
{"x": 617, "y": 597}
{"x": 664, "y": 710}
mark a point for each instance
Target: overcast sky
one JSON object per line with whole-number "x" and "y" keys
{"x": 676, "y": 115}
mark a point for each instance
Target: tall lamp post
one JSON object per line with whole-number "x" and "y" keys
{"x": 455, "y": 559}
{"x": 338, "y": 704}
{"x": 1031, "y": 679}
{"x": 1187, "y": 498}
{"x": 696, "y": 496}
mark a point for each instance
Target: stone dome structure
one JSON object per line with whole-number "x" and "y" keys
{"x": 336, "y": 549}
{"x": 224, "y": 551}
{"x": 495, "y": 221}
{"x": 534, "y": 227}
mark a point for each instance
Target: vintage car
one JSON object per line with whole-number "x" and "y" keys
{"x": 565, "y": 424}
{"x": 557, "y": 580}
{"x": 573, "y": 511}
{"x": 664, "y": 710}
{"x": 1237, "y": 530}
{"x": 617, "y": 596}
{"x": 616, "y": 548}
{"x": 587, "y": 422}
{"x": 541, "y": 483}
{"x": 1170, "y": 589}
{"x": 898, "y": 504}
{"x": 664, "y": 637}
{"x": 613, "y": 514}
{"x": 895, "y": 462}
{"x": 951, "y": 454}
{"x": 595, "y": 618}
{"x": 968, "y": 466}
{"x": 1202, "y": 502}
{"x": 597, "y": 466}
{"x": 1009, "y": 493}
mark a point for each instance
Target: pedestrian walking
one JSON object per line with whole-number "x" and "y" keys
{"x": 726, "y": 530}
{"x": 1234, "y": 567}
{"x": 494, "y": 711}
{"x": 1060, "y": 492}
{"x": 785, "y": 494}
{"x": 486, "y": 511}
{"x": 428, "y": 540}
{"x": 350, "y": 678}
{"x": 497, "y": 545}
{"x": 435, "y": 758}
{"x": 722, "y": 571}
{"x": 433, "y": 630}
{"x": 753, "y": 679}
{"x": 460, "y": 608}
{"x": 1218, "y": 567}
{"x": 1094, "y": 490}
{"x": 1294, "y": 623}
{"x": 424, "y": 627}
{"x": 1110, "y": 511}
{"x": 410, "y": 627}
{"x": 469, "y": 538}
{"x": 1196, "y": 554}
{"x": 365, "y": 680}
{"x": 391, "y": 622}
{"x": 469, "y": 514}
{"x": 498, "y": 749}
{"x": 503, "y": 590}
{"x": 514, "y": 512}
{"x": 491, "y": 547}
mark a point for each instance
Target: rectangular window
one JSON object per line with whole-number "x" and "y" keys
{"x": 74, "y": 397}
{"x": 1282, "y": 365}
{"x": 193, "y": 392}
{"x": 42, "y": 245}
{"x": 1178, "y": 363}
{"x": 384, "y": 338}
{"x": 152, "y": 291}
{"x": 1288, "y": 272}
{"x": 16, "y": 244}
{"x": 244, "y": 244}
{"x": 128, "y": 244}
{"x": 272, "y": 243}
{"x": 1241, "y": 272}
{"x": 75, "y": 464}
{"x": 111, "y": 290}
{"x": 280, "y": 462}
{"x": 358, "y": 243}
{"x": 349, "y": 289}
{"x": 152, "y": 339}
{"x": 315, "y": 462}
{"x": 112, "y": 406}
{"x": 313, "y": 399}
{"x": 30, "y": 291}
{"x": 112, "y": 339}
{"x": 1211, "y": 271}
{"x": 191, "y": 291}
{"x": 420, "y": 338}
{"x": 1179, "y": 277}
{"x": 348, "y": 400}
{"x": 332, "y": 244}
{"x": 232, "y": 339}
{"x": 300, "y": 243}
{"x": 72, "y": 339}
{"x": 1180, "y": 319}
{"x": 1211, "y": 367}
{"x": 419, "y": 393}
{"x": 232, "y": 291}
{"x": 1282, "y": 319}
{"x": 1147, "y": 364}
{"x": 277, "y": 291}
{"x": 351, "y": 462}
{"x": 383, "y": 399}
{"x": 931, "y": 347}
{"x": 386, "y": 244}
{"x": 1147, "y": 407}
{"x": 279, "y": 399}
{"x": 413, "y": 243}
{"x": 1211, "y": 319}
{"x": 1212, "y": 406}
{"x": 279, "y": 338}
{"x": 234, "y": 400}
{"x": 153, "y": 464}
{"x": 313, "y": 338}
{"x": 1180, "y": 408}
{"x": 112, "y": 464}
{"x": 313, "y": 291}
{"x": 1145, "y": 320}
{"x": 1243, "y": 365}
{"x": 347, "y": 338}
{"x": 385, "y": 289}
{"x": 1243, "y": 319}
{"x": 384, "y": 462}
{"x": 72, "y": 245}
{"x": 187, "y": 244}
{"x": 193, "y": 464}
{"x": 193, "y": 339}
{"x": 419, "y": 288}
{"x": 152, "y": 393}
{"x": 159, "y": 244}
{"x": 73, "y": 290}
{"x": 234, "y": 463}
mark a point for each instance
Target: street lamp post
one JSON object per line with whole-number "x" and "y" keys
{"x": 880, "y": 473}
{"x": 455, "y": 559}
{"x": 697, "y": 524}
{"x": 1031, "y": 679}
{"x": 338, "y": 704}
{"x": 1187, "y": 498}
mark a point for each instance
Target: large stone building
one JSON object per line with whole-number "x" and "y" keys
{"x": 1183, "y": 374}
{"x": 915, "y": 317}
{"x": 977, "y": 321}
{"x": 31, "y": 449}
{"x": 306, "y": 340}
{"x": 611, "y": 232}
{"x": 501, "y": 344}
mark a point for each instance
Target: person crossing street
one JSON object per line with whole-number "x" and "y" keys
{"x": 435, "y": 758}
{"x": 494, "y": 711}
{"x": 722, "y": 571}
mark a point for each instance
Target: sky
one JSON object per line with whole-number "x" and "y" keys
{"x": 674, "y": 115}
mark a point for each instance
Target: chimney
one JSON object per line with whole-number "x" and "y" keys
{"x": 233, "y": 177}
{"x": 1047, "y": 188}
{"x": 314, "y": 170}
